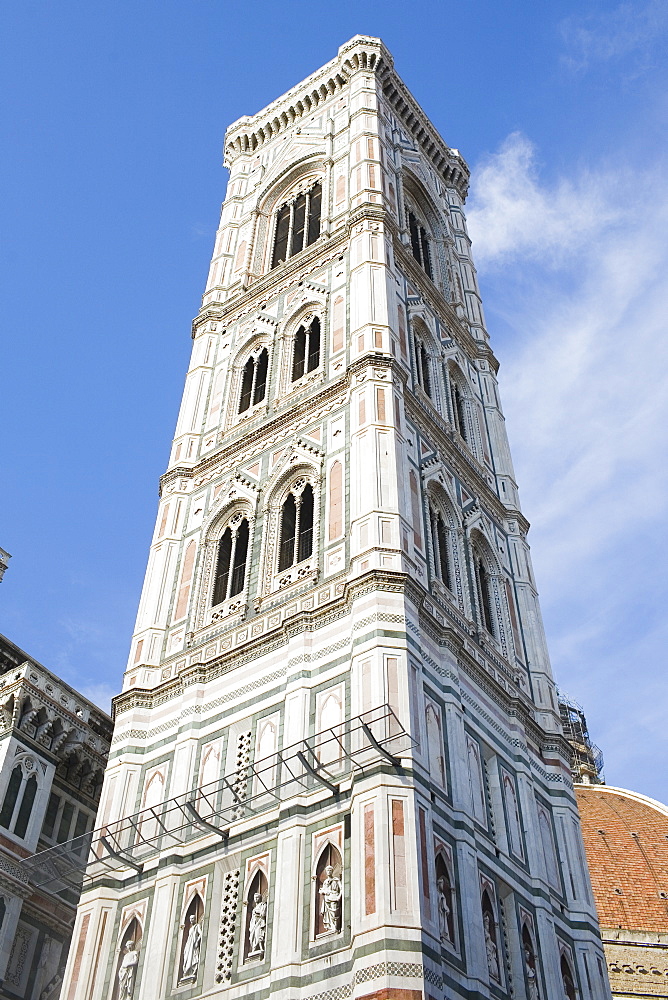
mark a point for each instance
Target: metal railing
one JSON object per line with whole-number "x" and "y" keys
{"x": 321, "y": 761}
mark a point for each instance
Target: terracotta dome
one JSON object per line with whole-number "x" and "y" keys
{"x": 626, "y": 840}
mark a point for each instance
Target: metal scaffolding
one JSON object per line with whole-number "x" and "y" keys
{"x": 586, "y": 757}
{"x": 320, "y": 762}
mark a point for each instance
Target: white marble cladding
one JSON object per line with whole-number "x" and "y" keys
{"x": 341, "y": 417}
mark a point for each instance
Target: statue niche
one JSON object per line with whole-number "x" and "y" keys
{"x": 444, "y": 901}
{"x": 128, "y": 957}
{"x": 191, "y": 942}
{"x": 328, "y": 892}
{"x": 491, "y": 945}
{"x": 255, "y": 936}
{"x": 530, "y": 964}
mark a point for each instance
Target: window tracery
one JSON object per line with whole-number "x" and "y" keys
{"x": 230, "y": 573}
{"x": 296, "y": 525}
{"x": 420, "y": 243}
{"x": 297, "y": 224}
{"x": 254, "y": 380}
{"x": 306, "y": 349}
{"x": 440, "y": 531}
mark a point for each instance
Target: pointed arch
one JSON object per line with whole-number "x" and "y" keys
{"x": 485, "y": 570}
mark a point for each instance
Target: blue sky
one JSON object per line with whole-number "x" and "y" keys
{"x": 111, "y": 129}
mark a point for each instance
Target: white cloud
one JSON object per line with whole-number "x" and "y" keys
{"x": 576, "y": 276}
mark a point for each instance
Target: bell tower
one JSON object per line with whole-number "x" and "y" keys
{"x": 338, "y": 767}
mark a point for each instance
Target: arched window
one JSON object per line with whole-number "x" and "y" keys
{"x": 254, "y": 380}
{"x": 445, "y": 900}
{"x": 11, "y": 795}
{"x": 297, "y": 225}
{"x": 420, "y": 244}
{"x": 306, "y": 352}
{"x": 328, "y": 902}
{"x": 296, "y": 535}
{"x": 484, "y": 592}
{"x": 439, "y": 537}
{"x": 422, "y": 366}
{"x": 231, "y": 565}
{"x": 458, "y": 411}
{"x": 25, "y": 809}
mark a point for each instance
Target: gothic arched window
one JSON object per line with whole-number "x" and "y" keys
{"x": 230, "y": 574}
{"x": 420, "y": 244}
{"x": 439, "y": 536}
{"x": 306, "y": 351}
{"x": 297, "y": 224}
{"x": 254, "y": 380}
{"x": 25, "y": 809}
{"x": 422, "y": 366}
{"x": 296, "y": 534}
{"x": 11, "y": 795}
{"x": 458, "y": 411}
{"x": 484, "y": 592}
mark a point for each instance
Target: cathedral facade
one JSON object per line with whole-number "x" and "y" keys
{"x": 338, "y": 768}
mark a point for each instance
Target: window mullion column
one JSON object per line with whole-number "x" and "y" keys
{"x": 291, "y": 226}
{"x": 298, "y": 504}
{"x": 307, "y": 212}
{"x": 435, "y": 546}
{"x": 253, "y": 381}
{"x": 230, "y": 572}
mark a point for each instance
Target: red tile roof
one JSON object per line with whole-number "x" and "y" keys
{"x": 626, "y": 840}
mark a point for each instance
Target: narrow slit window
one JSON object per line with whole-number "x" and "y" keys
{"x": 424, "y": 363}
{"x": 443, "y": 560}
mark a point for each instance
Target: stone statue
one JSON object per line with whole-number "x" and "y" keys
{"x": 443, "y": 909}
{"x": 128, "y": 971}
{"x": 257, "y": 928}
{"x": 191, "y": 950}
{"x": 331, "y": 892}
{"x": 532, "y": 978}
{"x": 491, "y": 950}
